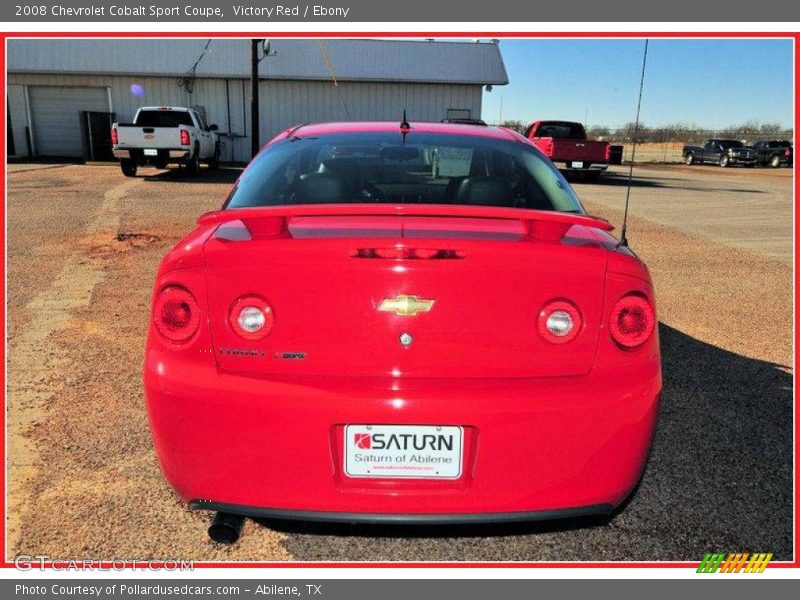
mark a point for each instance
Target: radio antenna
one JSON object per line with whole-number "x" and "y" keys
{"x": 623, "y": 238}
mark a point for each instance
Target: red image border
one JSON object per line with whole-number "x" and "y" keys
{"x": 795, "y": 563}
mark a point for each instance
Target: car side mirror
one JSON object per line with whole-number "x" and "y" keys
{"x": 213, "y": 128}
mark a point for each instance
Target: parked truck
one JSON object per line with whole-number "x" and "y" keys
{"x": 160, "y": 135}
{"x": 774, "y": 153}
{"x": 566, "y": 144}
{"x": 724, "y": 153}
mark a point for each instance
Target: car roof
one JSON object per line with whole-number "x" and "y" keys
{"x": 558, "y": 122}
{"x": 315, "y": 129}
{"x": 172, "y": 108}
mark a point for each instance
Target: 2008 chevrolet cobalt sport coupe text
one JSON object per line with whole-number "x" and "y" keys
{"x": 402, "y": 323}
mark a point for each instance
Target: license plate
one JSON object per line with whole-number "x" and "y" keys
{"x": 403, "y": 451}
{"x": 150, "y": 152}
{"x": 577, "y": 165}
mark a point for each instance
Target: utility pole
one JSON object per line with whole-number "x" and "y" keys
{"x": 255, "y": 144}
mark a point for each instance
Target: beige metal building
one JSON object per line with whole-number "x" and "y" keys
{"x": 54, "y": 84}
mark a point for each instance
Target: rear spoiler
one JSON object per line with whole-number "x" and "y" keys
{"x": 272, "y": 220}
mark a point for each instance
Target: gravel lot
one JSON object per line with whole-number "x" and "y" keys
{"x": 84, "y": 243}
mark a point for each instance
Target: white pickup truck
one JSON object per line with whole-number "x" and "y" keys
{"x": 160, "y": 135}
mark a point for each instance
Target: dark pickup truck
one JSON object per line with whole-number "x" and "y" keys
{"x": 774, "y": 153}
{"x": 724, "y": 153}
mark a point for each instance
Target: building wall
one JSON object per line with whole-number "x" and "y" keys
{"x": 283, "y": 103}
{"x": 19, "y": 117}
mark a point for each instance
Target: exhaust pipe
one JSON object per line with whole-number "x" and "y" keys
{"x": 226, "y": 528}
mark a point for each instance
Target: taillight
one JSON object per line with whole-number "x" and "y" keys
{"x": 632, "y": 321}
{"x": 608, "y": 153}
{"x": 114, "y": 136}
{"x": 788, "y": 152}
{"x": 185, "y": 141}
{"x": 176, "y": 314}
{"x": 559, "y": 322}
{"x": 251, "y": 317}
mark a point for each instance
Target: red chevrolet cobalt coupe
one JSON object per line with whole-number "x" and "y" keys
{"x": 412, "y": 323}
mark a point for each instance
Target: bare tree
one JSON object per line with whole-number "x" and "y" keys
{"x": 598, "y": 131}
{"x": 749, "y": 132}
{"x": 515, "y": 125}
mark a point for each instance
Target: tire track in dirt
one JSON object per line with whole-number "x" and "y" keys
{"x": 33, "y": 365}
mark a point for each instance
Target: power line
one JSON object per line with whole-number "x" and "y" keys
{"x": 187, "y": 81}
{"x": 326, "y": 59}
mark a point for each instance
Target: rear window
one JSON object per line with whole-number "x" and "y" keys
{"x": 780, "y": 144}
{"x": 562, "y": 131}
{"x": 163, "y": 118}
{"x": 420, "y": 168}
{"x": 731, "y": 144}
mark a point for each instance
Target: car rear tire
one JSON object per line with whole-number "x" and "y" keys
{"x": 689, "y": 159}
{"x": 193, "y": 164}
{"x": 213, "y": 162}
{"x": 775, "y": 162}
{"x": 724, "y": 161}
{"x": 129, "y": 167}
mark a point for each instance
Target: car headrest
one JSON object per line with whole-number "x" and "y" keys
{"x": 451, "y": 190}
{"x": 338, "y": 165}
{"x": 346, "y": 169}
{"x": 319, "y": 188}
{"x": 484, "y": 191}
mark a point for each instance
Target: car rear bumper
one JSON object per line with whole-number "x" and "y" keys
{"x": 138, "y": 154}
{"x": 274, "y": 447}
{"x": 403, "y": 519}
{"x": 587, "y": 166}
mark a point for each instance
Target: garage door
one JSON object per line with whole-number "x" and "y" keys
{"x": 55, "y": 112}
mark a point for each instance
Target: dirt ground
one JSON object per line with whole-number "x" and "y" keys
{"x": 740, "y": 207}
{"x": 83, "y": 246}
{"x": 655, "y": 152}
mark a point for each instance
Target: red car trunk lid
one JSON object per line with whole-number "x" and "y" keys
{"x": 343, "y": 289}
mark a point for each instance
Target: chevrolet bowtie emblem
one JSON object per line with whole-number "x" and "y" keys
{"x": 405, "y": 306}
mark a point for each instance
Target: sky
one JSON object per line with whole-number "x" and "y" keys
{"x": 707, "y": 83}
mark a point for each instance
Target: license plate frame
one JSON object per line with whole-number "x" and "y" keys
{"x": 399, "y": 457}
{"x": 150, "y": 152}
{"x": 577, "y": 164}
